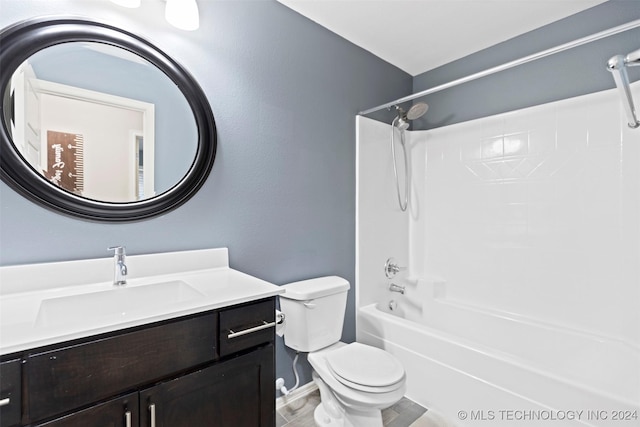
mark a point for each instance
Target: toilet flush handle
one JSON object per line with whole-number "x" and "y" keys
{"x": 309, "y": 304}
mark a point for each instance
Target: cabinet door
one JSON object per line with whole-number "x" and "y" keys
{"x": 10, "y": 393}
{"x": 120, "y": 412}
{"x": 236, "y": 393}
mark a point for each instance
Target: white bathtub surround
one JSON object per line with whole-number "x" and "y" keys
{"x": 381, "y": 229}
{"x": 523, "y": 248}
{"x": 33, "y": 297}
{"x": 449, "y": 373}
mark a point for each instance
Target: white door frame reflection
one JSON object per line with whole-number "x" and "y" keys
{"x": 86, "y": 113}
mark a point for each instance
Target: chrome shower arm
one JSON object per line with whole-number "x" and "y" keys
{"x": 617, "y": 65}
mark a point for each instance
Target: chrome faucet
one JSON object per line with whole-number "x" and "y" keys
{"x": 396, "y": 288}
{"x": 120, "y": 272}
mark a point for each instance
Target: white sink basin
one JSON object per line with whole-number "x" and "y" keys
{"x": 117, "y": 303}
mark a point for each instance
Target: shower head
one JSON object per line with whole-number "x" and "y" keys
{"x": 417, "y": 110}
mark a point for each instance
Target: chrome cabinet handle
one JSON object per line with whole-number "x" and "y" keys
{"x": 152, "y": 412}
{"x": 265, "y": 325}
{"x": 127, "y": 419}
{"x": 5, "y": 401}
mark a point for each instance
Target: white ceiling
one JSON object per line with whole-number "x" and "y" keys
{"x": 420, "y": 35}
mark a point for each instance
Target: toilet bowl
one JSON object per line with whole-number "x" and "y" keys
{"x": 356, "y": 381}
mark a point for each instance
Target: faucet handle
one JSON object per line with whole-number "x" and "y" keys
{"x": 391, "y": 268}
{"x": 119, "y": 250}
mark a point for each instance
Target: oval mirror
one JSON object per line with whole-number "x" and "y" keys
{"x": 98, "y": 123}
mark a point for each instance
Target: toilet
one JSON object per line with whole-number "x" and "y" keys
{"x": 356, "y": 381}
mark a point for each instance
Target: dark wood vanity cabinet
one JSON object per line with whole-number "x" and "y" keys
{"x": 169, "y": 374}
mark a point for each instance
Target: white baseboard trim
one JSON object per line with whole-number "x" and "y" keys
{"x": 296, "y": 394}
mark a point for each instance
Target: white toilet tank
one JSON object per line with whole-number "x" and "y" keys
{"x": 314, "y": 312}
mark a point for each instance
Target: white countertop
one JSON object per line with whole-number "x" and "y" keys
{"x": 210, "y": 283}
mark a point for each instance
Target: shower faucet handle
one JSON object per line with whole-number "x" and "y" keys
{"x": 391, "y": 268}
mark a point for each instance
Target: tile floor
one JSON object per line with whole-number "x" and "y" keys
{"x": 299, "y": 413}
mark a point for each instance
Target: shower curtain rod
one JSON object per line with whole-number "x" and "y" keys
{"x": 579, "y": 42}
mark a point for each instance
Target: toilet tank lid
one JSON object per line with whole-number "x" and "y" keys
{"x": 315, "y": 288}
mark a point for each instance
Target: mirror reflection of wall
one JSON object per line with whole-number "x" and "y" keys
{"x": 138, "y": 130}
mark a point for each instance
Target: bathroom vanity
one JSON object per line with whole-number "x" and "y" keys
{"x": 174, "y": 339}
{"x": 189, "y": 360}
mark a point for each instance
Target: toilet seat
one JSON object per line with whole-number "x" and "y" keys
{"x": 351, "y": 397}
{"x": 366, "y": 368}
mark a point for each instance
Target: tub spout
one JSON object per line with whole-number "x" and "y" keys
{"x": 396, "y": 288}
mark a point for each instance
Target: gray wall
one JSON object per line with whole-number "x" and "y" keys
{"x": 281, "y": 195}
{"x": 568, "y": 74}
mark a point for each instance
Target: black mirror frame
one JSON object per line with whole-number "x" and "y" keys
{"x": 18, "y": 42}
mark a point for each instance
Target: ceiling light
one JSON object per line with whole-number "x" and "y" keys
{"x": 182, "y": 14}
{"x": 127, "y": 3}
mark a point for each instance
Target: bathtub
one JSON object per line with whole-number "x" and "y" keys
{"x": 474, "y": 367}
